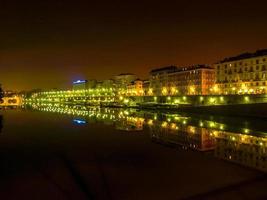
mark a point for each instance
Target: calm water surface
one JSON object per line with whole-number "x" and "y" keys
{"x": 76, "y": 152}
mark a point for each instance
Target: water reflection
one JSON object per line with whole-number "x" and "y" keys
{"x": 241, "y": 145}
{"x": 1, "y": 123}
{"x": 183, "y": 135}
{"x": 79, "y": 121}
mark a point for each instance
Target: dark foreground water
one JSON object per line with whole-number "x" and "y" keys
{"x": 75, "y": 152}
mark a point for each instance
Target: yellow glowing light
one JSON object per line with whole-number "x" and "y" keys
{"x": 150, "y": 122}
{"x": 212, "y": 124}
{"x": 173, "y": 90}
{"x": 126, "y": 101}
{"x": 192, "y": 89}
{"x": 164, "y": 91}
{"x": 176, "y": 101}
{"x": 173, "y": 126}
{"x": 164, "y": 124}
{"x": 192, "y": 129}
{"x": 246, "y": 130}
{"x": 150, "y": 91}
{"x": 215, "y": 88}
{"x": 211, "y": 100}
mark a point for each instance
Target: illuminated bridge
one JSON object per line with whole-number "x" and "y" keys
{"x": 90, "y": 96}
{"x": 112, "y": 97}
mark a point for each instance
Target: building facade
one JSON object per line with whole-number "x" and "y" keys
{"x": 192, "y": 80}
{"x": 121, "y": 82}
{"x": 107, "y": 84}
{"x": 135, "y": 88}
{"x": 243, "y": 74}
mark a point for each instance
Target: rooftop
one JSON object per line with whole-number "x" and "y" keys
{"x": 164, "y": 69}
{"x": 172, "y": 69}
{"x": 126, "y": 74}
{"x": 262, "y": 52}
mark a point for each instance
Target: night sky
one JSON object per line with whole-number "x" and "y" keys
{"x": 48, "y": 44}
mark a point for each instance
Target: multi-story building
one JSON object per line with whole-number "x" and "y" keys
{"x": 122, "y": 81}
{"x": 192, "y": 80}
{"x": 146, "y": 88}
{"x": 159, "y": 79}
{"x": 243, "y": 74}
{"x": 91, "y": 83}
{"x": 105, "y": 84}
{"x": 135, "y": 88}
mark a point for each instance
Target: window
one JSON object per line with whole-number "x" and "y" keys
{"x": 257, "y": 61}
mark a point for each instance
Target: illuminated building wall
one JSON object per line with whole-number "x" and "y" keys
{"x": 146, "y": 88}
{"x": 122, "y": 81}
{"x": 106, "y": 84}
{"x": 193, "y": 80}
{"x": 243, "y": 74}
{"x": 135, "y": 88}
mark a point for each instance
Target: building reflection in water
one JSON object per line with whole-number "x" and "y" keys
{"x": 183, "y": 135}
{"x": 242, "y": 149}
{"x": 239, "y": 145}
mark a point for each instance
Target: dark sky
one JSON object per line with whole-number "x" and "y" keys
{"x": 46, "y": 44}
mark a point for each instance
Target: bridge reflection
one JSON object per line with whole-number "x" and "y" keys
{"x": 242, "y": 145}
{"x": 11, "y": 101}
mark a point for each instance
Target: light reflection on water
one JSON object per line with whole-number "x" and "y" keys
{"x": 241, "y": 145}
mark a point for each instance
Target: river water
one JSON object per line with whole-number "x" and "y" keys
{"x": 77, "y": 152}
